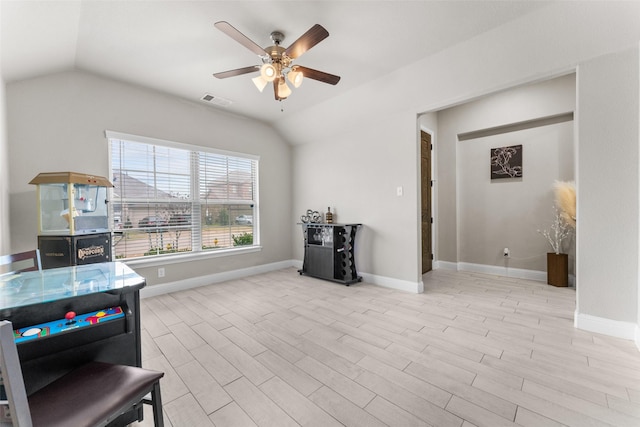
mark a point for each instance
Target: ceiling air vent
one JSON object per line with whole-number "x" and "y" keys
{"x": 216, "y": 100}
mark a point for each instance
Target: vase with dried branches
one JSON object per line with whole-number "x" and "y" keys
{"x": 558, "y": 232}
{"x": 562, "y": 226}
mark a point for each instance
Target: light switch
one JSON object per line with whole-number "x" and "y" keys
{"x": 399, "y": 191}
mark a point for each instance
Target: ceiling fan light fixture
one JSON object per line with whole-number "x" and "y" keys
{"x": 295, "y": 77}
{"x": 259, "y": 82}
{"x": 268, "y": 72}
{"x": 276, "y": 61}
{"x": 283, "y": 89}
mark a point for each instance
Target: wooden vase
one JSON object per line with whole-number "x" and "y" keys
{"x": 558, "y": 269}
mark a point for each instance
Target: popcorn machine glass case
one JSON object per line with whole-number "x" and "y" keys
{"x": 71, "y": 203}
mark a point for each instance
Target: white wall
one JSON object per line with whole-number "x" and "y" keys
{"x": 494, "y": 214}
{"x": 377, "y": 116}
{"x": 608, "y": 188}
{"x": 4, "y": 171}
{"x": 57, "y": 123}
{"x": 360, "y": 184}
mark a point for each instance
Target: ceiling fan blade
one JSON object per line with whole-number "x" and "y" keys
{"x": 320, "y": 76}
{"x": 245, "y": 41}
{"x": 237, "y": 72}
{"x": 312, "y": 37}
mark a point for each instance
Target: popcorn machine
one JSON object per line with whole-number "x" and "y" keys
{"x": 73, "y": 219}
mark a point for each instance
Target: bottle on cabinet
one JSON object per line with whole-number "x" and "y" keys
{"x": 328, "y": 217}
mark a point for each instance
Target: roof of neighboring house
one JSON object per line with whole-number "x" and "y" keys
{"x": 126, "y": 186}
{"x": 237, "y": 185}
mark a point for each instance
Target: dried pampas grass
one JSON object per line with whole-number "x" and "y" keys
{"x": 565, "y": 194}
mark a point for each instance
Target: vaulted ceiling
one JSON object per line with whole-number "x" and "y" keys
{"x": 173, "y": 46}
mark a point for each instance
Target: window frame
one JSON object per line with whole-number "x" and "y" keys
{"x": 195, "y": 253}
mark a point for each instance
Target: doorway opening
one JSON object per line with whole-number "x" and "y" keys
{"x": 477, "y": 218}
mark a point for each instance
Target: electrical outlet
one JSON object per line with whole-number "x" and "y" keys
{"x": 506, "y": 253}
{"x": 161, "y": 272}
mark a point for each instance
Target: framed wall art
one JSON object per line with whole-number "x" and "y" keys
{"x": 506, "y": 162}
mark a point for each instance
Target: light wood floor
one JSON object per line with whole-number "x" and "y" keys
{"x": 280, "y": 349}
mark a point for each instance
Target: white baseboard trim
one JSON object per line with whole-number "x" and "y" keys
{"x": 390, "y": 282}
{"x": 517, "y": 273}
{"x": 496, "y": 270}
{"x": 445, "y": 265}
{"x": 385, "y": 282}
{"x": 638, "y": 336}
{"x": 194, "y": 282}
{"x": 613, "y": 328}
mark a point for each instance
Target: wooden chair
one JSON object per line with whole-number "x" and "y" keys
{"x": 23, "y": 261}
{"x": 92, "y": 395}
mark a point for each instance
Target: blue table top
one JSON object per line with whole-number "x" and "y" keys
{"x": 34, "y": 287}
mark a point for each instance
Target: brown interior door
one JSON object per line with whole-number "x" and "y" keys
{"x": 425, "y": 186}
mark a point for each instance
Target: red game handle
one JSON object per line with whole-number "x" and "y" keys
{"x": 70, "y": 316}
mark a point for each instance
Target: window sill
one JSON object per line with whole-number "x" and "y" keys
{"x": 161, "y": 260}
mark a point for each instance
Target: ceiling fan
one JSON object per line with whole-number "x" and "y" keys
{"x": 277, "y": 62}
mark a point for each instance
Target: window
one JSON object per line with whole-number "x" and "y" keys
{"x": 171, "y": 198}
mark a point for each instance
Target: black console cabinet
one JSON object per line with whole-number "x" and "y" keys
{"x": 329, "y": 252}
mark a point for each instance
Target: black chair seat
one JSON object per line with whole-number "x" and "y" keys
{"x": 66, "y": 402}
